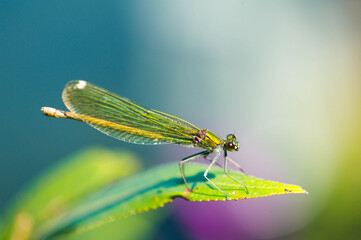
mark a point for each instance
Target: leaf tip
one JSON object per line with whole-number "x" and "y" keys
{"x": 295, "y": 190}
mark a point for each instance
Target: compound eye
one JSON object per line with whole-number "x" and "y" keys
{"x": 230, "y": 146}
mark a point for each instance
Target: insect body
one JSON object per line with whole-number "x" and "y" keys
{"x": 122, "y": 119}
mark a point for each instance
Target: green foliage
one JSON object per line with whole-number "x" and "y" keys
{"x": 65, "y": 201}
{"x": 138, "y": 226}
{"x": 53, "y": 194}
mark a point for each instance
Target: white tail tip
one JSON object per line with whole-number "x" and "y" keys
{"x": 53, "y": 112}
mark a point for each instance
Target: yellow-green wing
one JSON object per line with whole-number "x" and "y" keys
{"x": 123, "y": 119}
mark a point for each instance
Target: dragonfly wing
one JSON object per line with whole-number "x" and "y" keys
{"x": 123, "y": 119}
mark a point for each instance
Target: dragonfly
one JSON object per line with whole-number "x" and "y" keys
{"x": 125, "y": 120}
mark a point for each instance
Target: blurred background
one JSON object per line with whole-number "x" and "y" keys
{"x": 284, "y": 76}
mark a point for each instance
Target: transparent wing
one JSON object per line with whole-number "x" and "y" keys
{"x": 123, "y": 119}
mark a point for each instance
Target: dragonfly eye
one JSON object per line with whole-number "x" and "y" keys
{"x": 236, "y": 147}
{"x": 231, "y": 143}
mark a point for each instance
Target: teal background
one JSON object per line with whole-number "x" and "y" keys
{"x": 283, "y": 76}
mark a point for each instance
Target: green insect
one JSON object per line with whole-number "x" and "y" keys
{"x": 122, "y": 119}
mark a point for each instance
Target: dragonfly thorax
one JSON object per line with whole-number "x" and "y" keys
{"x": 231, "y": 143}
{"x": 207, "y": 140}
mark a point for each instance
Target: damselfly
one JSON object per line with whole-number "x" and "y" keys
{"x": 122, "y": 119}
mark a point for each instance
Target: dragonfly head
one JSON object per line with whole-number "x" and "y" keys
{"x": 231, "y": 143}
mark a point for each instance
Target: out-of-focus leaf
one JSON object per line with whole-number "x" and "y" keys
{"x": 154, "y": 188}
{"x": 55, "y": 192}
{"x": 138, "y": 226}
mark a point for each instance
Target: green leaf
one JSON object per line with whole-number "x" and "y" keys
{"x": 138, "y": 226}
{"x": 56, "y": 191}
{"x": 153, "y": 189}
{"x": 84, "y": 192}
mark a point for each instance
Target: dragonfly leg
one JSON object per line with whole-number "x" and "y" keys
{"x": 226, "y": 172}
{"x": 236, "y": 164}
{"x": 187, "y": 159}
{"x": 210, "y": 159}
{"x": 209, "y": 167}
